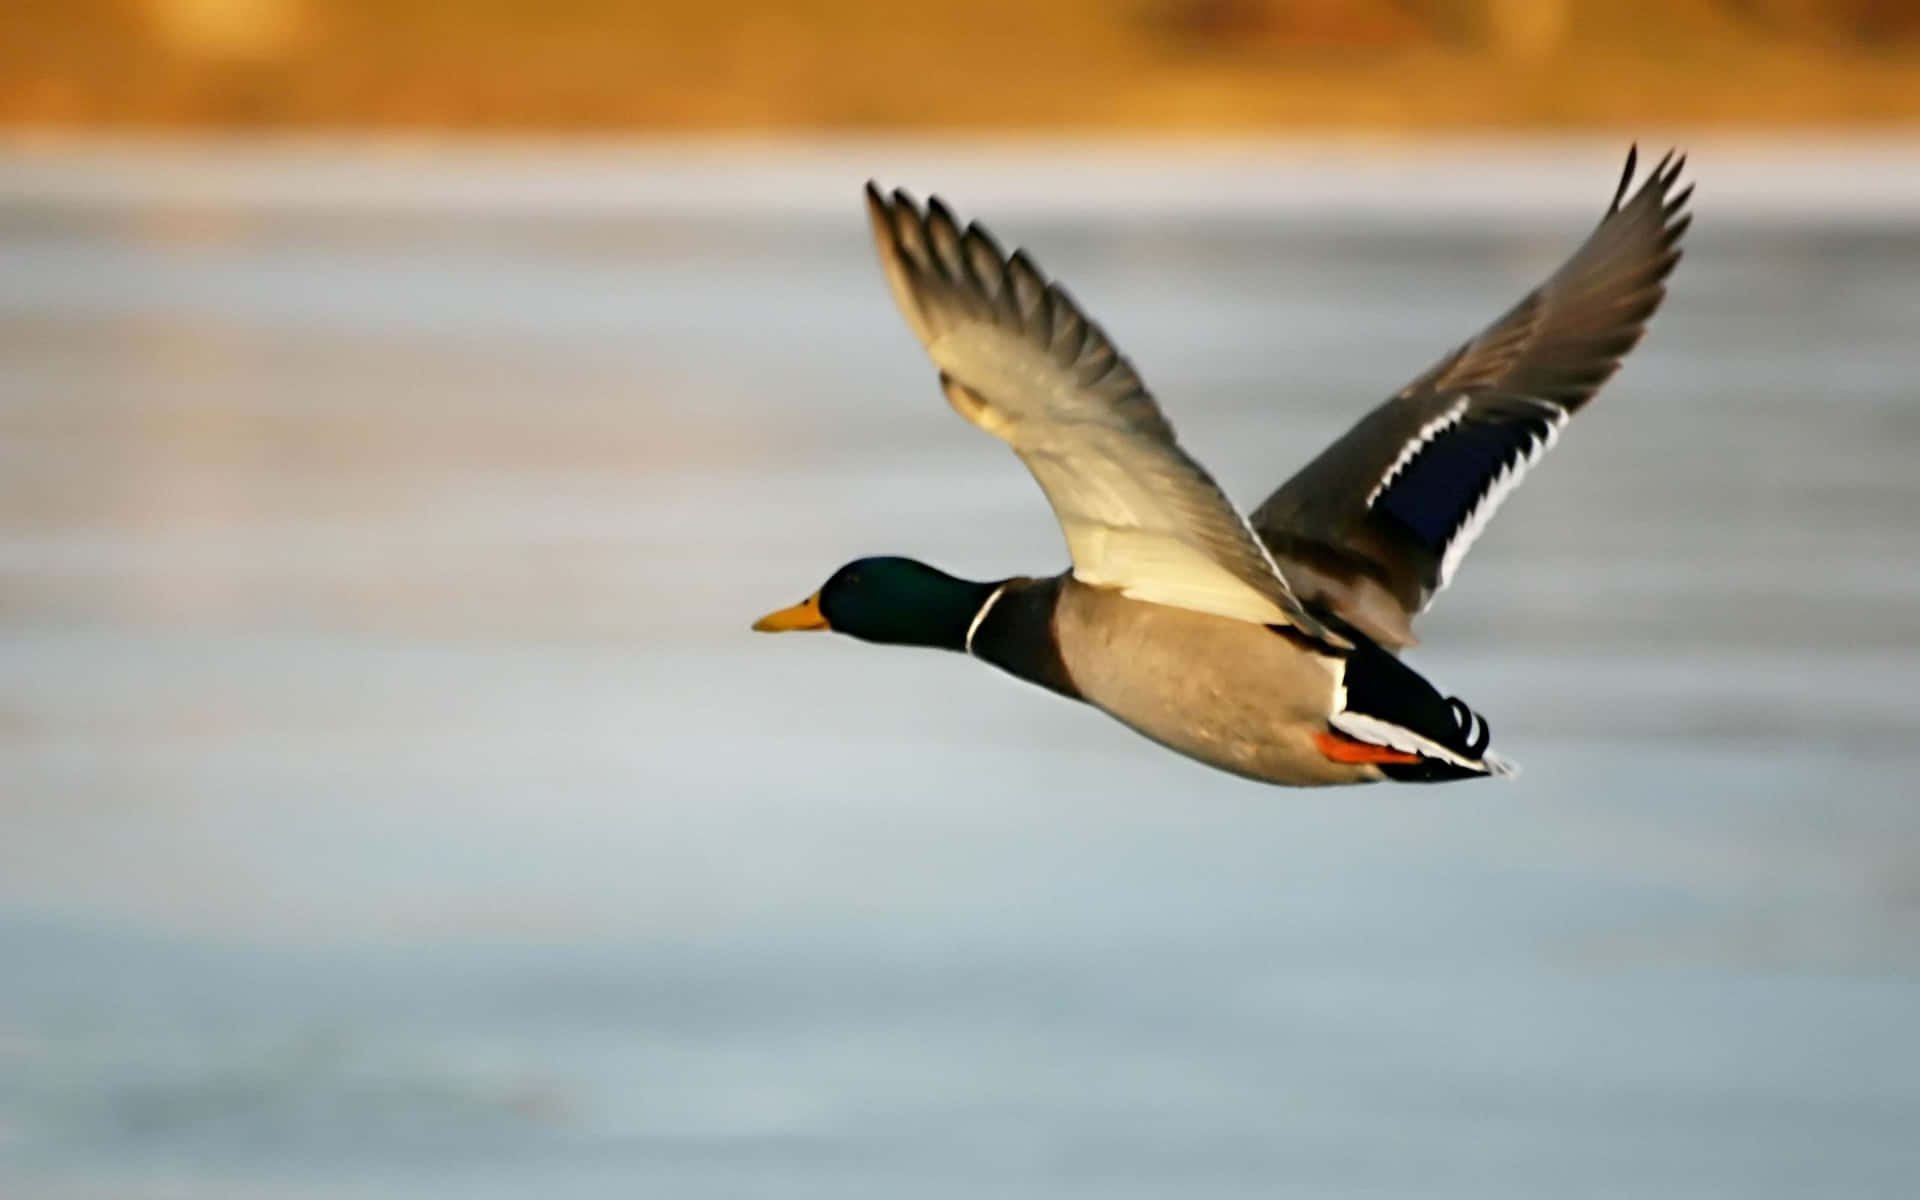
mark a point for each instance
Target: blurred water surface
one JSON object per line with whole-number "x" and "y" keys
{"x": 395, "y": 803}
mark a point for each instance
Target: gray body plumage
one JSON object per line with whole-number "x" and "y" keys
{"x": 1234, "y": 695}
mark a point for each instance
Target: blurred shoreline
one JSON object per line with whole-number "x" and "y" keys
{"x": 1440, "y": 181}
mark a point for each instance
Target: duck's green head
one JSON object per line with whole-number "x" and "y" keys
{"x": 894, "y": 600}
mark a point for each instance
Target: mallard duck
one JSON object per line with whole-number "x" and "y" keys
{"x": 1266, "y": 646}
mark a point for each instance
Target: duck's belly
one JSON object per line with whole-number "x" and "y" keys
{"x": 1236, "y": 696}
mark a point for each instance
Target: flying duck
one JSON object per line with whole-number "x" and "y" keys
{"x": 1265, "y": 645}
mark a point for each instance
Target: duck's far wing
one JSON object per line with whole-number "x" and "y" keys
{"x": 1377, "y": 524}
{"x": 1017, "y": 358}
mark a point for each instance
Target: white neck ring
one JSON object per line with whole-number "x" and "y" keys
{"x": 981, "y": 616}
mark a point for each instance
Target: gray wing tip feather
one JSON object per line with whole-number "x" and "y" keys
{"x": 1619, "y": 193}
{"x": 1623, "y": 268}
{"x": 933, "y": 265}
{"x": 1656, "y": 192}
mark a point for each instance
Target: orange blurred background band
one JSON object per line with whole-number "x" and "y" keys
{"x": 811, "y": 65}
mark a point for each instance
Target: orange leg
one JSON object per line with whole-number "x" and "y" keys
{"x": 1343, "y": 749}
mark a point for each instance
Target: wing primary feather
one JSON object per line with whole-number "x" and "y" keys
{"x": 1096, "y": 358}
{"x": 1069, "y": 327}
{"x": 895, "y": 262}
{"x": 1658, "y": 177}
{"x": 907, "y": 229}
{"x": 1030, "y": 297}
{"x": 984, "y": 264}
{"x": 1626, "y": 178}
{"x": 944, "y": 237}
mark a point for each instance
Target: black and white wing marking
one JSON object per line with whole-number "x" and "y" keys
{"x": 1379, "y": 522}
{"x": 1454, "y": 480}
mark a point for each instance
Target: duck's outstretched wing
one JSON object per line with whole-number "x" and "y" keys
{"x": 1017, "y": 358}
{"x": 1376, "y": 525}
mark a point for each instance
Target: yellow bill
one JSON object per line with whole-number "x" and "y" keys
{"x": 804, "y": 615}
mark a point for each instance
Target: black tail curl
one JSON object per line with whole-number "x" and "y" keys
{"x": 1381, "y": 686}
{"x": 1468, "y": 720}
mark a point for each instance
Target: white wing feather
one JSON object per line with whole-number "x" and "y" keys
{"x": 1017, "y": 358}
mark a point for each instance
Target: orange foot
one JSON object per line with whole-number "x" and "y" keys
{"x": 1343, "y": 749}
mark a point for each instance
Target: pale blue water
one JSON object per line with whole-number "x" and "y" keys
{"x": 395, "y": 803}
